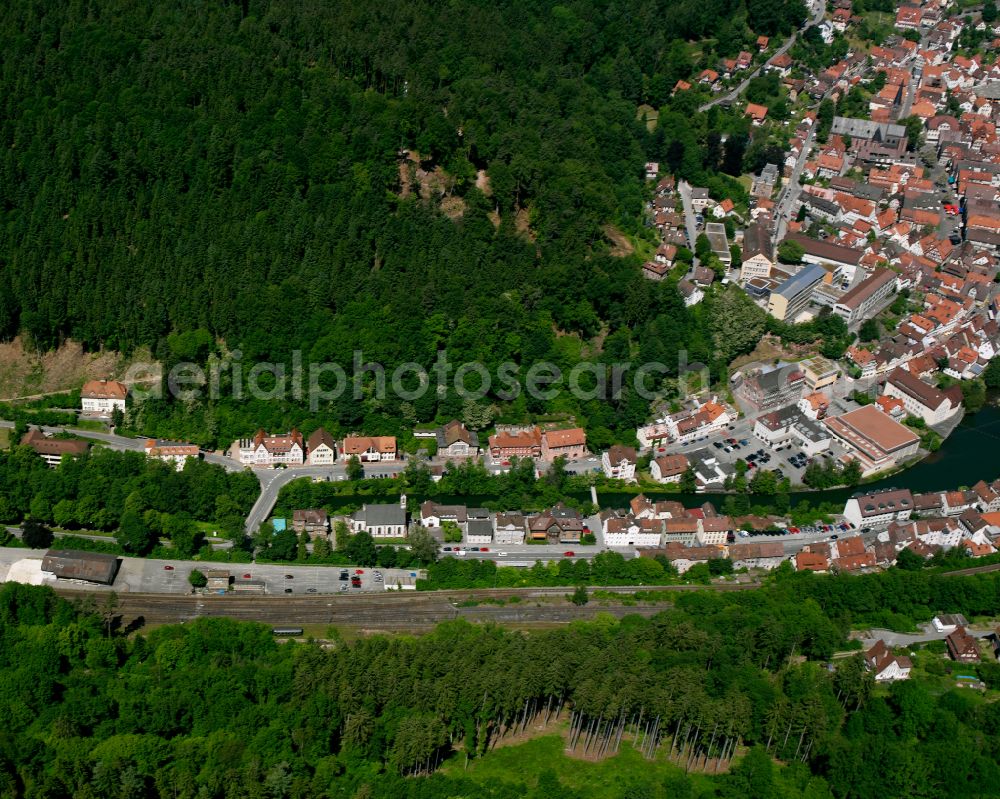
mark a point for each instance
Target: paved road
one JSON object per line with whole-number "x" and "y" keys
{"x": 684, "y": 189}
{"x": 907, "y": 639}
{"x": 790, "y": 194}
{"x": 818, "y": 10}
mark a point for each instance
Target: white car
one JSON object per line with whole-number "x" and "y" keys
{"x": 502, "y": 554}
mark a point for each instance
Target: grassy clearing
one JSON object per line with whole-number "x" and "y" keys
{"x": 91, "y": 425}
{"x": 522, "y": 765}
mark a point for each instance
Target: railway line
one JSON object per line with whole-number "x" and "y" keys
{"x": 395, "y": 612}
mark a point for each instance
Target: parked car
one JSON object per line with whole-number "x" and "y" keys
{"x": 246, "y": 576}
{"x": 168, "y": 568}
{"x": 359, "y": 571}
{"x": 310, "y": 590}
{"x": 344, "y": 575}
{"x": 289, "y": 576}
{"x": 569, "y": 554}
{"x": 484, "y": 549}
{"x": 288, "y": 590}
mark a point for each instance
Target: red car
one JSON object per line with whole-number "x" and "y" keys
{"x": 168, "y": 568}
{"x": 568, "y": 554}
{"x": 246, "y": 576}
{"x": 359, "y": 571}
{"x": 484, "y": 549}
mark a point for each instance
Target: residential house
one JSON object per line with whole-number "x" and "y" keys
{"x": 558, "y": 525}
{"x": 668, "y": 468}
{"x": 765, "y": 555}
{"x": 618, "y": 463}
{"x": 962, "y": 647}
{"x": 885, "y": 666}
{"x": 757, "y": 113}
{"x": 713, "y": 530}
{"x": 370, "y": 449}
{"x": 454, "y": 440}
{"x": 811, "y": 558}
{"x": 814, "y": 406}
{"x": 103, "y": 397}
{"x": 321, "y": 449}
{"x": 479, "y": 528}
{"x": 508, "y": 528}
{"x": 629, "y": 531}
{"x": 314, "y": 522}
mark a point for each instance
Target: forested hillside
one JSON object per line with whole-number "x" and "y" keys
{"x": 234, "y": 169}
{"x": 215, "y": 708}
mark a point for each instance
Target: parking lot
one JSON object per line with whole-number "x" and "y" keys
{"x": 144, "y": 575}
{"x": 737, "y": 442}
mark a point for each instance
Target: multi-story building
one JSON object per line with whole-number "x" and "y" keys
{"x": 175, "y": 452}
{"x": 668, "y": 468}
{"x": 792, "y": 297}
{"x": 879, "y": 508}
{"x": 455, "y": 440}
{"x": 767, "y": 390}
{"x": 321, "y": 448}
{"x": 270, "y": 450}
{"x": 516, "y": 443}
{"x": 923, "y": 400}
{"x": 757, "y": 255}
{"x": 103, "y": 397}
{"x": 867, "y": 298}
{"x": 51, "y": 450}
{"x": 370, "y": 449}
{"x": 569, "y": 444}
{"x": 819, "y": 373}
{"x": 618, "y": 463}
{"x": 508, "y": 528}
{"x": 875, "y": 440}
{"x": 312, "y": 521}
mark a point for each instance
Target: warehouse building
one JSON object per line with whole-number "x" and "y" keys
{"x": 71, "y": 564}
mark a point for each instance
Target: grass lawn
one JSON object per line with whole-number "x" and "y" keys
{"x": 4, "y": 437}
{"x": 522, "y": 764}
{"x": 92, "y": 425}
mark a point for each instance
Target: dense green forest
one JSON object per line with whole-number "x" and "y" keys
{"x": 216, "y": 708}
{"x": 127, "y": 492}
{"x": 188, "y": 174}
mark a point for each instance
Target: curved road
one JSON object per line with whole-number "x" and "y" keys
{"x": 819, "y": 9}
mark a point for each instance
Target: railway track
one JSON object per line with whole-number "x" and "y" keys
{"x": 395, "y": 611}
